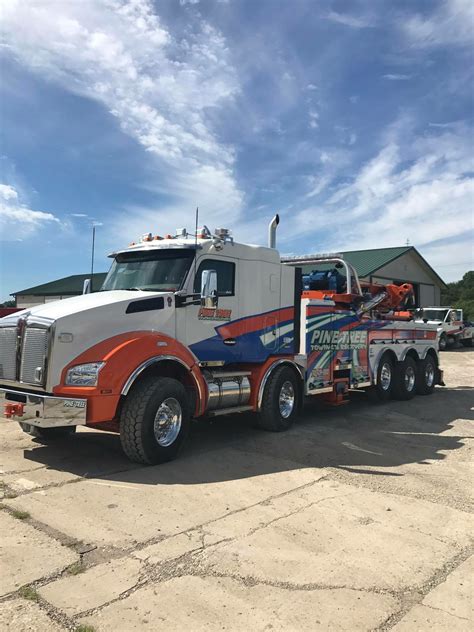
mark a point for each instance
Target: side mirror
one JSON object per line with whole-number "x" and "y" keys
{"x": 209, "y": 296}
{"x": 87, "y": 286}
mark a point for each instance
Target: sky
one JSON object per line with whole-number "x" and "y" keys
{"x": 352, "y": 119}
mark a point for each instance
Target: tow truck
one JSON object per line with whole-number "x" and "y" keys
{"x": 450, "y": 325}
{"x": 197, "y": 325}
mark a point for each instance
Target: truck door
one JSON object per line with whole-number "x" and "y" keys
{"x": 208, "y": 331}
{"x": 260, "y": 303}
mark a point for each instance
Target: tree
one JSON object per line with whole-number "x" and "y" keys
{"x": 460, "y": 294}
{"x": 8, "y": 304}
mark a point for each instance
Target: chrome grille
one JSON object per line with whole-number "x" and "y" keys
{"x": 8, "y": 342}
{"x": 33, "y": 356}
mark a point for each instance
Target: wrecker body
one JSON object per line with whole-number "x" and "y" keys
{"x": 198, "y": 325}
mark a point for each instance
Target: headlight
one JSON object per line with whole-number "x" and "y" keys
{"x": 84, "y": 374}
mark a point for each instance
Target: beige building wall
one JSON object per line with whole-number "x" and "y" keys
{"x": 407, "y": 267}
{"x": 410, "y": 268}
{"x": 30, "y": 300}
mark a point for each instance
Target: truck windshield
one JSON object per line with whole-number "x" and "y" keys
{"x": 434, "y": 314}
{"x": 158, "y": 270}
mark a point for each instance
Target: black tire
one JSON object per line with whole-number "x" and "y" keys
{"x": 381, "y": 391}
{"x": 139, "y": 440}
{"x": 48, "y": 434}
{"x": 405, "y": 383}
{"x": 274, "y": 415}
{"x": 427, "y": 374}
{"x": 443, "y": 342}
{"x": 467, "y": 342}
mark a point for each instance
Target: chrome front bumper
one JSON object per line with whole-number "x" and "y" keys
{"x": 44, "y": 411}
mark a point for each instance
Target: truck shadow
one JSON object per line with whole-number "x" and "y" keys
{"x": 361, "y": 438}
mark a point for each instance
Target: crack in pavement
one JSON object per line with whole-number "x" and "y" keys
{"x": 409, "y": 599}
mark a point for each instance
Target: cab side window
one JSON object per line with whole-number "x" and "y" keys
{"x": 225, "y": 276}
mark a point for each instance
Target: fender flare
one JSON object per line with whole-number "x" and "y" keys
{"x": 267, "y": 374}
{"x": 161, "y": 358}
{"x": 406, "y": 351}
{"x": 428, "y": 350}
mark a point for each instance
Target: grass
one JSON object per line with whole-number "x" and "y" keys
{"x": 20, "y": 515}
{"x": 85, "y": 628}
{"x": 76, "y": 568}
{"x": 27, "y": 592}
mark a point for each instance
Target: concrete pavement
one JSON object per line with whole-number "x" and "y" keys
{"x": 359, "y": 518}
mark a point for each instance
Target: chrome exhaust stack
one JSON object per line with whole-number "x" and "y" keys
{"x": 272, "y": 228}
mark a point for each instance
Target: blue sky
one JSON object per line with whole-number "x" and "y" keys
{"x": 352, "y": 119}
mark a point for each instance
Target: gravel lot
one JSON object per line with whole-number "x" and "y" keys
{"x": 360, "y": 518}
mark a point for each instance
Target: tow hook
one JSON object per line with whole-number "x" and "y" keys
{"x": 14, "y": 410}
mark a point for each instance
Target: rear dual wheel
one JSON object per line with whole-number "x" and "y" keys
{"x": 406, "y": 379}
{"x": 403, "y": 380}
{"x": 427, "y": 374}
{"x": 382, "y": 390}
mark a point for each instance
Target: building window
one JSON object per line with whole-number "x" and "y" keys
{"x": 225, "y": 276}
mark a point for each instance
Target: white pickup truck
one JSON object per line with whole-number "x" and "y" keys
{"x": 451, "y": 325}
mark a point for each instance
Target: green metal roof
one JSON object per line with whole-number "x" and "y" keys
{"x": 366, "y": 262}
{"x": 68, "y": 285}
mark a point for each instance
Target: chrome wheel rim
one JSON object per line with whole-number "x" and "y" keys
{"x": 409, "y": 378}
{"x": 167, "y": 422}
{"x": 386, "y": 376}
{"x": 286, "y": 401}
{"x": 429, "y": 375}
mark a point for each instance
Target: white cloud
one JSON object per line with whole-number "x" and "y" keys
{"x": 452, "y": 260}
{"x": 160, "y": 89}
{"x": 313, "y": 119}
{"x": 423, "y": 191}
{"x": 7, "y": 192}
{"x": 395, "y": 77}
{"x": 17, "y": 220}
{"x": 352, "y": 21}
{"x": 452, "y": 22}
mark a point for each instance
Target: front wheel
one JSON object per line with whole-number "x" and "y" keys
{"x": 405, "y": 384}
{"x": 155, "y": 420}
{"x": 280, "y": 401}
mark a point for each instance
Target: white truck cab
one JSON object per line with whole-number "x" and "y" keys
{"x": 450, "y": 325}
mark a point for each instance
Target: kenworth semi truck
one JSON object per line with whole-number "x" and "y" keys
{"x": 194, "y": 325}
